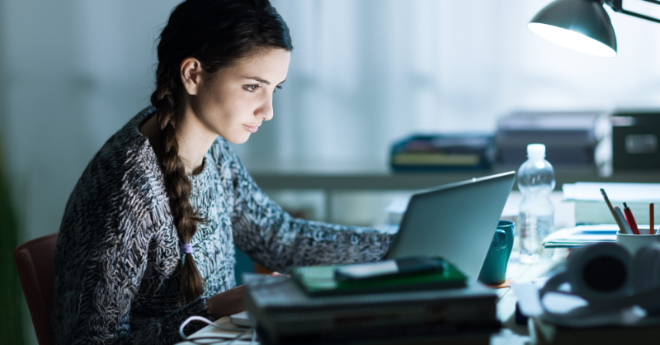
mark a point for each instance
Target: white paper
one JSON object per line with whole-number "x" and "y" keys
{"x": 620, "y": 192}
{"x": 584, "y": 234}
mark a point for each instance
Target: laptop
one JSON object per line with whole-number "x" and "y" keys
{"x": 456, "y": 221}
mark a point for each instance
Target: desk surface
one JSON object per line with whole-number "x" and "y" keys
{"x": 511, "y": 334}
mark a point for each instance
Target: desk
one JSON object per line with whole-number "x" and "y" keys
{"x": 511, "y": 334}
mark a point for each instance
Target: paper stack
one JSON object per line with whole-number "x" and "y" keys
{"x": 590, "y": 208}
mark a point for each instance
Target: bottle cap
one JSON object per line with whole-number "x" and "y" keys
{"x": 536, "y": 151}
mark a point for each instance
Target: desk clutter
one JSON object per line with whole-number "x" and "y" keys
{"x": 604, "y": 295}
{"x": 317, "y": 306}
{"x": 620, "y": 140}
{"x": 571, "y": 138}
{"x": 609, "y": 290}
{"x": 608, "y": 212}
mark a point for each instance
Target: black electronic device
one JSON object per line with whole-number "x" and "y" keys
{"x": 635, "y": 140}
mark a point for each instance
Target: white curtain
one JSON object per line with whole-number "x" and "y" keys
{"x": 364, "y": 73}
{"x": 367, "y": 72}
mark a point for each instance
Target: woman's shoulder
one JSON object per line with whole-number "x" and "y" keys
{"x": 124, "y": 170}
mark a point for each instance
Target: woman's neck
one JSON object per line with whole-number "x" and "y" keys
{"x": 193, "y": 141}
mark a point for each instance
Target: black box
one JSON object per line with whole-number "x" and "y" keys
{"x": 635, "y": 140}
{"x": 570, "y": 138}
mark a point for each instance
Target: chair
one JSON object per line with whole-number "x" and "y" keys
{"x": 36, "y": 269}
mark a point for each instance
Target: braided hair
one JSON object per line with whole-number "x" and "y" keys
{"x": 217, "y": 33}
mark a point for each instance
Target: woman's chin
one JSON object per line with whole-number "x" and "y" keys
{"x": 238, "y": 139}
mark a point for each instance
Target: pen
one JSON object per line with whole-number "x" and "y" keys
{"x": 631, "y": 219}
{"x": 616, "y": 219}
{"x": 622, "y": 220}
{"x": 651, "y": 226}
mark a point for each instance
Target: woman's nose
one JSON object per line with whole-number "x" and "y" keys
{"x": 265, "y": 111}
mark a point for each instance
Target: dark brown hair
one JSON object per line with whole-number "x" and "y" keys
{"x": 217, "y": 33}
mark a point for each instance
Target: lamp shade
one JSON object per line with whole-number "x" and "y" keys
{"x": 581, "y": 25}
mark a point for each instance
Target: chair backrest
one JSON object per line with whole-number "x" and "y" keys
{"x": 36, "y": 269}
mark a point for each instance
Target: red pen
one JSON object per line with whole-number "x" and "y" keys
{"x": 630, "y": 219}
{"x": 651, "y": 227}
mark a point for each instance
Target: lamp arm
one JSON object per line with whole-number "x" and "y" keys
{"x": 617, "y": 6}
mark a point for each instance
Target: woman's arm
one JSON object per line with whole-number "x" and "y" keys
{"x": 99, "y": 275}
{"x": 277, "y": 241}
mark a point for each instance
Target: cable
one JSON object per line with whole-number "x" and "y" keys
{"x": 221, "y": 339}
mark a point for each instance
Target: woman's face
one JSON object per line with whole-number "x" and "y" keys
{"x": 234, "y": 101}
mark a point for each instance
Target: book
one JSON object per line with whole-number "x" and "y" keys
{"x": 320, "y": 281}
{"x": 442, "y": 152}
{"x": 407, "y": 334}
{"x": 544, "y": 333}
{"x": 581, "y": 235}
{"x": 282, "y": 308}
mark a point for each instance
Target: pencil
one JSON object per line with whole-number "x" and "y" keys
{"x": 622, "y": 218}
{"x": 609, "y": 204}
{"x": 651, "y": 227}
{"x": 630, "y": 219}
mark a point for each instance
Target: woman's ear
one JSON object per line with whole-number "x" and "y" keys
{"x": 191, "y": 74}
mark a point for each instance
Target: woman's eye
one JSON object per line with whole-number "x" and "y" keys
{"x": 277, "y": 87}
{"x": 251, "y": 88}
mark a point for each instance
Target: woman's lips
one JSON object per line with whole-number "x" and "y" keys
{"x": 251, "y": 129}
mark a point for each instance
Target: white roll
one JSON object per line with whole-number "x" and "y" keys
{"x": 600, "y": 271}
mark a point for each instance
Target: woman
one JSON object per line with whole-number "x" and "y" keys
{"x": 148, "y": 234}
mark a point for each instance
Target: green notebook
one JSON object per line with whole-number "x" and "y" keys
{"x": 320, "y": 281}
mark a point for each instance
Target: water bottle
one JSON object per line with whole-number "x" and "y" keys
{"x": 536, "y": 180}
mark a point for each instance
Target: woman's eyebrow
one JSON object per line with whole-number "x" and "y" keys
{"x": 259, "y": 80}
{"x": 264, "y": 80}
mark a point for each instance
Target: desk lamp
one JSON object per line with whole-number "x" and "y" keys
{"x": 582, "y": 25}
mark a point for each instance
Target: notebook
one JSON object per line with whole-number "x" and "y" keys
{"x": 320, "y": 281}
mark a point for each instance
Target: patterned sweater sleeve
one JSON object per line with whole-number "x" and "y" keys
{"x": 274, "y": 239}
{"x": 99, "y": 274}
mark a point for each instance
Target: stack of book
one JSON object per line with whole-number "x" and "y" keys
{"x": 420, "y": 153}
{"x": 544, "y": 333}
{"x": 313, "y": 308}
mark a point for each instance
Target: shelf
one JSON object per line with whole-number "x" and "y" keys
{"x": 374, "y": 178}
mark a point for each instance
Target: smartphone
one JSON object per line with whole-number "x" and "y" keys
{"x": 390, "y": 268}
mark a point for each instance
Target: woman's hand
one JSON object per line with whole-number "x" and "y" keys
{"x": 229, "y": 302}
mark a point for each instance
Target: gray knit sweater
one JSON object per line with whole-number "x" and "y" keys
{"x": 118, "y": 257}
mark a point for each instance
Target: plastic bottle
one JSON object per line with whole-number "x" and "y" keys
{"x": 536, "y": 180}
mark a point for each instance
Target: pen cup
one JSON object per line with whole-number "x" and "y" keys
{"x": 632, "y": 243}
